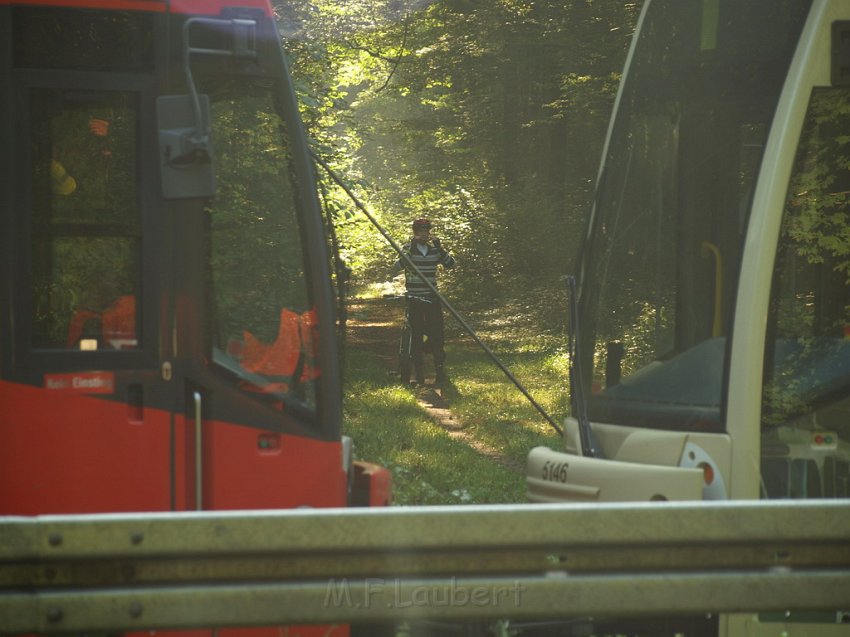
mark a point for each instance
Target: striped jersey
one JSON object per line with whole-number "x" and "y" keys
{"x": 427, "y": 264}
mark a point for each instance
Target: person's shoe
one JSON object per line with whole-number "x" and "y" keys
{"x": 441, "y": 376}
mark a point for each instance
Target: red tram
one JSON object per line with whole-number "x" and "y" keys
{"x": 167, "y": 339}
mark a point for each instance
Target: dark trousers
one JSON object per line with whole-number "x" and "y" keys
{"x": 426, "y": 319}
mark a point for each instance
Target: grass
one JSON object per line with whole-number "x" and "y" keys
{"x": 495, "y": 411}
{"x": 428, "y": 465}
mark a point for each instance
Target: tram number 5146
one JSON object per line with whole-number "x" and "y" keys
{"x": 555, "y": 471}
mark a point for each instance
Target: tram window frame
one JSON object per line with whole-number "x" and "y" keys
{"x": 26, "y": 355}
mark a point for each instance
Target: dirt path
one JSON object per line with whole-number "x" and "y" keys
{"x": 373, "y": 325}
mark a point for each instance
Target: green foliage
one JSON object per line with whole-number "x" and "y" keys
{"x": 487, "y": 117}
{"x": 818, "y": 219}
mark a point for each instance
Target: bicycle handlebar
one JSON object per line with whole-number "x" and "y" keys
{"x": 398, "y": 297}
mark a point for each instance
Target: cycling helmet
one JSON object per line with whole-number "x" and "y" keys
{"x": 421, "y": 223}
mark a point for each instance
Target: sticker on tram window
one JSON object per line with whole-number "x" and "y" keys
{"x": 81, "y": 382}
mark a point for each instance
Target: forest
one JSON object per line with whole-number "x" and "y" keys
{"x": 487, "y": 117}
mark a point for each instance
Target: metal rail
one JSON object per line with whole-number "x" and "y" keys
{"x": 183, "y": 570}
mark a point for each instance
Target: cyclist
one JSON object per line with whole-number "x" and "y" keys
{"x": 424, "y": 309}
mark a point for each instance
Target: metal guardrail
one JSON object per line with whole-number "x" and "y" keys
{"x": 182, "y": 570}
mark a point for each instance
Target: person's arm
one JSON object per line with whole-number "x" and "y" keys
{"x": 446, "y": 259}
{"x": 398, "y": 266}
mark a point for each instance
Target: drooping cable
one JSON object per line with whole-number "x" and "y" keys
{"x": 409, "y": 263}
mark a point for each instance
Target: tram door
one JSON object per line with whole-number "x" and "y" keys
{"x": 86, "y": 423}
{"x": 259, "y": 423}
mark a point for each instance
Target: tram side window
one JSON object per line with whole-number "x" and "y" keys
{"x": 85, "y": 231}
{"x": 806, "y": 401}
{"x": 263, "y": 324}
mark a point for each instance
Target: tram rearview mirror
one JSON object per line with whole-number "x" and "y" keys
{"x": 185, "y": 147}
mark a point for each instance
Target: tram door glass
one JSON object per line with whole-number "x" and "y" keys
{"x": 660, "y": 271}
{"x": 85, "y": 237}
{"x": 806, "y": 398}
{"x": 263, "y": 327}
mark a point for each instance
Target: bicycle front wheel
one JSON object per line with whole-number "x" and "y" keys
{"x": 405, "y": 361}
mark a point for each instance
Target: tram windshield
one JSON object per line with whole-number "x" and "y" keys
{"x": 263, "y": 327}
{"x": 660, "y": 268}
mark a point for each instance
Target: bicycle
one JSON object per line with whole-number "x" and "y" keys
{"x": 405, "y": 343}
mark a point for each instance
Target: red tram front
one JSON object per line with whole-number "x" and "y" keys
{"x": 167, "y": 336}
